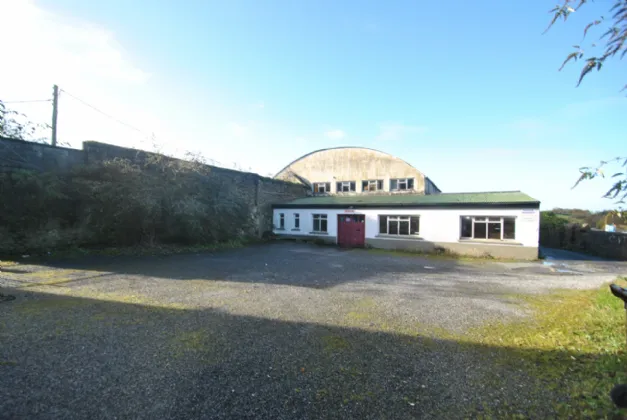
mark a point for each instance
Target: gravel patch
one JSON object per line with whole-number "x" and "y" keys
{"x": 278, "y": 331}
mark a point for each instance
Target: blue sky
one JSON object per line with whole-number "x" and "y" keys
{"x": 467, "y": 92}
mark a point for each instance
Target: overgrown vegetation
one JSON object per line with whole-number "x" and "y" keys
{"x": 574, "y": 344}
{"x": 120, "y": 203}
{"x": 558, "y": 217}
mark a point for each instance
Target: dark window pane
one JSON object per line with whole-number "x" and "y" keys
{"x": 352, "y": 186}
{"x": 282, "y": 221}
{"x": 296, "y": 220}
{"x": 338, "y": 187}
{"x": 403, "y": 228}
{"x": 364, "y": 185}
{"x": 380, "y": 184}
{"x": 383, "y": 224}
{"x": 323, "y": 225}
{"x": 494, "y": 219}
{"x": 415, "y": 225}
{"x": 393, "y": 225}
{"x": 466, "y": 227}
{"x": 410, "y": 184}
{"x": 327, "y": 186}
{"x": 494, "y": 230}
{"x": 480, "y": 230}
{"x": 509, "y": 228}
{"x": 393, "y": 184}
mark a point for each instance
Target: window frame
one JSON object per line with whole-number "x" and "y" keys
{"x": 296, "y": 221}
{"x": 339, "y": 186}
{"x": 366, "y": 184}
{"x": 320, "y": 217}
{"x": 405, "y": 181}
{"x": 398, "y": 219}
{"x": 488, "y": 221}
{"x": 281, "y": 221}
{"x": 326, "y": 186}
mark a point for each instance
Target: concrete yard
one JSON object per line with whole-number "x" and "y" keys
{"x": 283, "y": 330}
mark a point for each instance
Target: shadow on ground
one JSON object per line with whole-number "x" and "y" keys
{"x": 68, "y": 357}
{"x": 276, "y": 263}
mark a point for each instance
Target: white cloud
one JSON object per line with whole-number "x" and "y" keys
{"x": 84, "y": 60}
{"x": 87, "y": 61}
{"x": 238, "y": 130}
{"x": 395, "y": 131}
{"x": 64, "y": 49}
{"x": 335, "y": 134}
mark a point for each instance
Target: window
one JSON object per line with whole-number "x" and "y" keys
{"x": 401, "y": 184}
{"x": 281, "y": 221}
{"x": 372, "y": 185}
{"x": 322, "y": 187}
{"x": 296, "y": 221}
{"x": 346, "y": 186}
{"x": 320, "y": 223}
{"x": 399, "y": 225}
{"x": 482, "y": 227}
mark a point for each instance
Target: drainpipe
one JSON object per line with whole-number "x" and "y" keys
{"x": 619, "y": 392}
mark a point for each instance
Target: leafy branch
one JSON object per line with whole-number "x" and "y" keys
{"x": 16, "y": 126}
{"x": 614, "y": 37}
{"x": 619, "y": 189}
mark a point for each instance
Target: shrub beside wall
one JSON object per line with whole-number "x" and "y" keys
{"x": 142, "y": 199}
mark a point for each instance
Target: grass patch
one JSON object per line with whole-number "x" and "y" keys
{"x": 334, "y": 343}
{"x": 139, "y": 250}
{"x": 575, "y": 345}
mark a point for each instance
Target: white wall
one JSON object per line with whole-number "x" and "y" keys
{"x": 436, "y": 225}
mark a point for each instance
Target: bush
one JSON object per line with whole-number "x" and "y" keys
{"x": 120, "y": 203}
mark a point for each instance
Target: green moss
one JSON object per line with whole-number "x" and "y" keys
{"x": 322, "y": 394}
{"x": 575, "y": 344}
{"x": 335, "y": 343}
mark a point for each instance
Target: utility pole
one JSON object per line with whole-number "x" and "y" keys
{"x": 55, "y": 106}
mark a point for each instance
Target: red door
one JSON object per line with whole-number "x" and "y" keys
{"x": 351, "y": 230}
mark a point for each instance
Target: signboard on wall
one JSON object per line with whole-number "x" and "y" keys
{"x": 529, "y": 215}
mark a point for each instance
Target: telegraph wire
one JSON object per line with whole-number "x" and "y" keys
{"x": 25, "y": 102}
{"x": 104, "y": 113}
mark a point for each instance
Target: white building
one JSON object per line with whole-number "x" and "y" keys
{"x": 362, "y": 197}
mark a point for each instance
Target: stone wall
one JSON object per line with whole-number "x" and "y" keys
{"x": 19, "y": 154}
{"x": 259, "y": 192}
{"x": 573, "y": 237}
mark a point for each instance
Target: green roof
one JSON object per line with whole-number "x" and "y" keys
{"x": 511, "y": 198}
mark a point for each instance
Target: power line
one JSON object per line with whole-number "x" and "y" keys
{"x": 104, "y": 113}
{"x": 24, "y": 102}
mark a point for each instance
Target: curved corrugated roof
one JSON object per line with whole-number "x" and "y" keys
{"x": 340, "y": 147}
